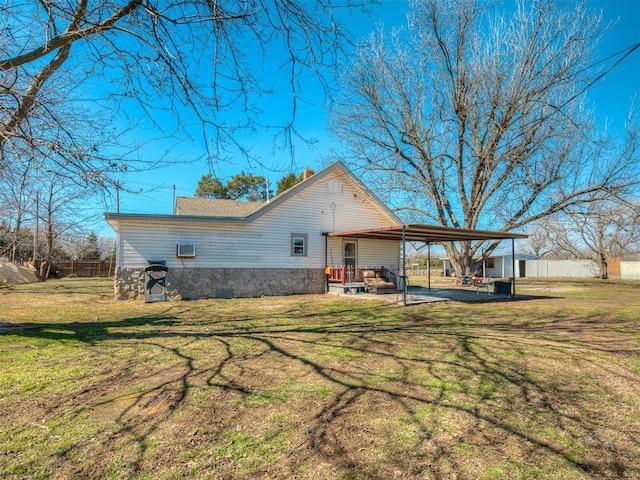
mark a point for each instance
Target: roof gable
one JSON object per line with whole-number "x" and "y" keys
{"x": 335, "y": 169}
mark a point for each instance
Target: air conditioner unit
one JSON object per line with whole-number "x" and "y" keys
{"x": 186, "y": 250}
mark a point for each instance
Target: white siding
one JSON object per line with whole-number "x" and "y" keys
{"x": 266, "y": 242}
{"x": 504, "y": 266}
{"x": 370, "y": 253}
{"x": 377, "y": 253}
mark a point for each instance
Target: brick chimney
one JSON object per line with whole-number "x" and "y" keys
{"x": 308, "y": 173}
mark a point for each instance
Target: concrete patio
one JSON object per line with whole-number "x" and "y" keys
{"x": 418, "y": 295}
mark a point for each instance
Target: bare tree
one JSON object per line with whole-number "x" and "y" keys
{"x": 109, "y": 61}
{"x": 538, "y": 243}
{"x": 471, "y": 117}
{"x": 107, "y": 248}
{"x": 26, "y": 192}
{"x": 62, "y": 211}
{"x": 17, "y": 208}
{"x": 600, "y": 230}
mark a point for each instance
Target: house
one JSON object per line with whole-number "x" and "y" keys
{"x": 498, "y": 266}
{"x": 223, "y": 248}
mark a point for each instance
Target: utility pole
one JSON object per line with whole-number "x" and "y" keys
{"x": 174, "y": 199}
{"x": 117, "y": 197}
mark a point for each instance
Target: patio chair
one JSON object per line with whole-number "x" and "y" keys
{"x": 464, "y": 281}
{"x": 480, "y": 283}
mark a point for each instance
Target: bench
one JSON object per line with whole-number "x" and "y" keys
{"x": 375, "y": 281}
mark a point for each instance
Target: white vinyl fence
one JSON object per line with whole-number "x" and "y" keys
{"x": 630, "y": 270}
{"x": 562, "y": 268}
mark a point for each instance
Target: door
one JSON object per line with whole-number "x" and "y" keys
{"x": 350, "y": 254}
{"x": 522, "y": 267}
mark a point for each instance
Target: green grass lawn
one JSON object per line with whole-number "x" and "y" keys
{"x": 320, "y": 387}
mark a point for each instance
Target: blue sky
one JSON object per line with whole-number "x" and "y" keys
{"x": 610, "y": 98}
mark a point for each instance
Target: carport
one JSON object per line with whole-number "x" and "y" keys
{"x": 430, "y": 234}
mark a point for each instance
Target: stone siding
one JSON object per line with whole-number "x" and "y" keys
{"x": 192, "y": 283}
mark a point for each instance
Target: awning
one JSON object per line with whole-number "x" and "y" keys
{"x": 419, "y": 232}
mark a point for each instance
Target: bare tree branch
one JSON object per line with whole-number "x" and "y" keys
{"x": 147, "y": 58}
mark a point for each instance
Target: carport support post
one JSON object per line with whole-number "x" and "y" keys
{"x": 513, "y": 267}
{"x": 404, "y": 266}
{"x": 428, "y": 265}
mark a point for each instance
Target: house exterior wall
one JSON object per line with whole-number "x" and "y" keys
{"x": 503, "y": 265}
{"x": 497, "y": 270}
{"x": 192, "y": 283}
{"x": 265, "y": 243}
{"x": 370, "y": 253}
{"x": 259, "y": 252}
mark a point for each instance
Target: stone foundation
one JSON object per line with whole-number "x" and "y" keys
{"x": 192, "y": 283}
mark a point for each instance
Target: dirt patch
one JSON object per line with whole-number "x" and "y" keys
{"x": 11, "y": 274}
{"x": 556, "y": 289}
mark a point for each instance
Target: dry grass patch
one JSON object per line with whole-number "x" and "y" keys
{"x": 316, "y": 387}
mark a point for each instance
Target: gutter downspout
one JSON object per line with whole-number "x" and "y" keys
{"x": 513, "y": 267}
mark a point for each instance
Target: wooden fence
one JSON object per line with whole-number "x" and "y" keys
{"x": 87, "y": 268}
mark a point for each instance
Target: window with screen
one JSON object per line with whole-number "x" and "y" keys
{"x": 299, "y": 244}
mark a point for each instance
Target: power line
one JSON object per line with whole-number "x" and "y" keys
{"x": 628, "y": 51}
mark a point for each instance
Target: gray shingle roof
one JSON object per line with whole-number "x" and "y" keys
{"x": 209, "y": 207}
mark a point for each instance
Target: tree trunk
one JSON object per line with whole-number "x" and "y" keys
{"x": 460, "y": 258}
{"x": 604, "y": 267}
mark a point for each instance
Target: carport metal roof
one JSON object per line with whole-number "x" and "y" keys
{"x": 418, "y": 232}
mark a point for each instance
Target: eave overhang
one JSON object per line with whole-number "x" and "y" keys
{"x": 159, "y": 219}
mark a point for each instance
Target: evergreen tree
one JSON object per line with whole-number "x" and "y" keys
{"x": 91, "y": 249}
{"x": 288, "y": 181}
{"x": 209, "y": 187}
{"x": 243, "y": 186}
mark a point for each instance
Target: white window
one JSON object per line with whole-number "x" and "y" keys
{"x": 299, "y": 244}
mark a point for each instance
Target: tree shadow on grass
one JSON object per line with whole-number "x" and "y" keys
{"x": 365, "y": 391}
{"x": 59, "y": 287}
